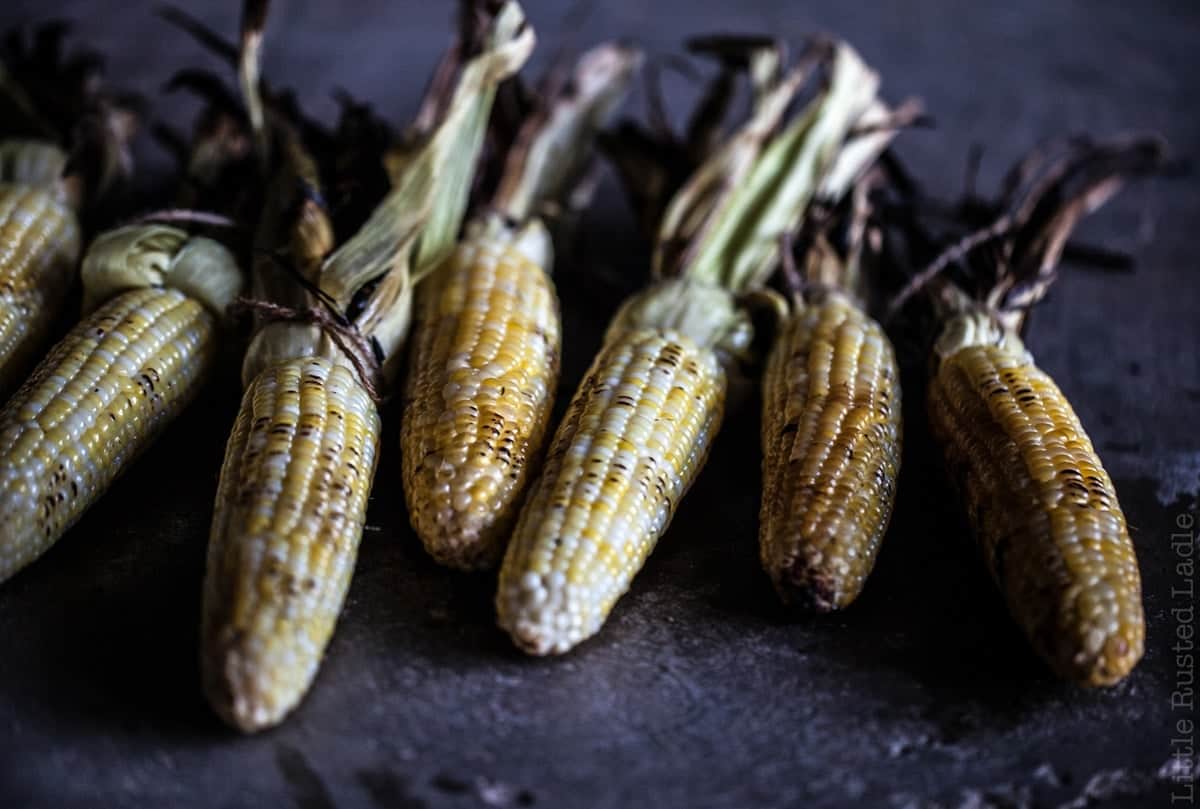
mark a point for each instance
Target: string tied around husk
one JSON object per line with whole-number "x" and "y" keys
{"x": 353, "y": 344}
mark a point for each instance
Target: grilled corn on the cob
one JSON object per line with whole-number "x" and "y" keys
{"x": 1040, "y": 503}
{"x": 482, "y": 381}
{"x": 831, "y": 404}
{"x": 153, "y": 296}
{"x": 634, "y": 437}
{"x": 115, "y": 381}
{"x": 831, "y": 452}
{"x": 1041, "y": 506}
{"x": 289, "y": 514}
{"x": 639, "y": 427}
{"x": 299, "y": 465}
{"x": 486, "y": 344}
{"x": 39, "y": 249}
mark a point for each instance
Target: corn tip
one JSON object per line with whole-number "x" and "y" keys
{"x": 1107, "y": 666}
{"x": 807, "y": 589}
{"x": 463, "y": 542}
{"x": 236, "y": 694}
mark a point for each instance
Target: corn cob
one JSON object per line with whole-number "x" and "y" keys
{"x": 485, "y": 367}
{"x": 831, "y": 452}
{"x": 634, "y": 437}
{"x": 831, "y": 403}
{"x": 487, "y": 336}
{"x": 1041, "y": 506}
{"x": 294, "y": 492}
{"x": 638, "y": 429}
{"x": 115, "y": 381}
{"x": 299, "y": 465}
{"x": 48, "y": 99}
{"x": 99, "y": 398}
{"x": 39, "y": 249}
{"x": 153, "y": 296}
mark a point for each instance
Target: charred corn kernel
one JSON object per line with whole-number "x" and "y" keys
{"x": 39, "y": 247}
{"x": 1042, "y": 508}
{"x": 96, "y": 401}
{"x": 831, "y": 442}
{"x": 480, "y": 391}
{"x": 633, "y": 439}
{"x": 289, "y": 515}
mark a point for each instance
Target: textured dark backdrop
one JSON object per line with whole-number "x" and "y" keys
{"x": 699, "y": 693}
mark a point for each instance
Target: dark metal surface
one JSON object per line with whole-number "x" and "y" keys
{"x": 699, "y": 693}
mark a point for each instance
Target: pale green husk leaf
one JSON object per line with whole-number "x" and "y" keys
{"x": 859, "y": 153}
{"x": 708, "y": 314}
{"x": 704, "y": 201}
{"x": 150, "y": 255}
{"x": 741, "y": 248}
{"x": 413, "y": 228}
{"x": 454, "y": 146}
{"x": 556, "y": 147}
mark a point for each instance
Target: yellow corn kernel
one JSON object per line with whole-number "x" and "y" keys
{"x": 479, "y": 394}
{"x": 39, "y": 248}
{"x": 1043, "y": 510}
{"x": 289, "y": 515}
{"x": 94, "y": 403}
{"x": 831, "y": 453}
{"x": 634, "y": 438}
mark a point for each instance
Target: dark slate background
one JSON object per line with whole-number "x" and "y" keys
{"x": 700, "y": 692}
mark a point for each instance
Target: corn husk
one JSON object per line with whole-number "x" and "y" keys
{"x": 721, "y": 234}
{"x": 408, "y": 234}
{"x": 154, "y": 255}
{"x": 545, "y": 173}
{"x": 734, "y": 212}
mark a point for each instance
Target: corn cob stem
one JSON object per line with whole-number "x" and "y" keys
{"x": 486, "y": 349}
{"x": 32, "y": 163}
{"x": 1041, "y": 505}
{"x": 831, "y": 452}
